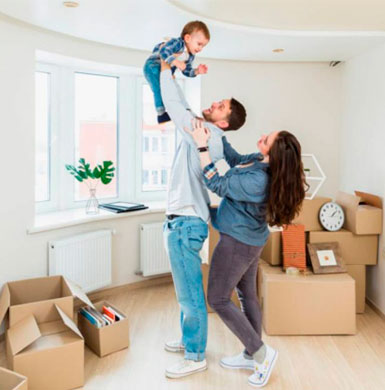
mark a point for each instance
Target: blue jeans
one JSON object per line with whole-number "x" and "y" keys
{"x": 151, "y": 72}
{"x": 184, "y": 238}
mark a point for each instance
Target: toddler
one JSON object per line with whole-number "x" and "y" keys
{"x": 179, "y": 53}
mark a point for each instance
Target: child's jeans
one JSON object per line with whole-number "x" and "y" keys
{"x": 152, "y": 74}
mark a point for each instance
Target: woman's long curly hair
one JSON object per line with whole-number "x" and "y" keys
{"x": 288, "y": 183}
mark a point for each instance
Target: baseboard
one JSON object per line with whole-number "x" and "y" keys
{"x": 376, "y": 309}
{"x": 106, "y": 292}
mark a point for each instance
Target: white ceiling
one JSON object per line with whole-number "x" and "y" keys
{"x": 308, "y": 30}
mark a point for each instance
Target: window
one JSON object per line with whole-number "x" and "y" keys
{"x": 163, "y": 141}
{"x": 155, "y": 144}
{"x": 145, "y": 177}
{"x": 98, "y": 112}
{"x": 42, "y": 124}
{"x": 154, "y": 177}
{"x": 146, "y": 144}
{"x": 164, "y": 177}
{"x": 164, "y": 144}
{"x": 96, "y": 127}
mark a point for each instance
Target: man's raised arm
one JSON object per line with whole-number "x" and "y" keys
{"x": 174, "y": 101}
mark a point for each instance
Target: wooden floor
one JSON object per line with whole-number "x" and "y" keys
{"x": 305, "y": 362}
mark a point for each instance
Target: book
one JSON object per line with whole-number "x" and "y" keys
{"x": 118, "y": 316}
{"x": 122, "y": 207}
{"x": 108, "y": 313}
{"x": 90, "y": 317}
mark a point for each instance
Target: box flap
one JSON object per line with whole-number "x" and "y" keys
{"x": 370, "y": 199}
{"x": 5, "y": 302}
{"x": 347, "y": 200}
{"x": 77, "y": 291}
{"x": 23, "y": 334}
{"x": 68, "y": 322}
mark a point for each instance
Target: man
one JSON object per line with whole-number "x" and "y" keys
{"x": 185, "y": 228}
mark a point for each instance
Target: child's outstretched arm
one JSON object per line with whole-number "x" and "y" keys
{"x": 189, "y": 71}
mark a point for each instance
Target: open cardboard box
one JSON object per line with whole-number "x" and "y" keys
{"x": 309, "y": 214}
{"x": 363, "y": 212}
{"x": 36, "y": 296}
{"x": 42, "y": 341}
{"x": 10, "y": 380}
{"x": 50, "y": 355}
{"x": 107, "y": 339}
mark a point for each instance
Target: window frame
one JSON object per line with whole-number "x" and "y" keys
{"x": 129, "y": 132}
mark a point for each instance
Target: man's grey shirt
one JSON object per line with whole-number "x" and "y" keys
{"x": 186, "y": 186}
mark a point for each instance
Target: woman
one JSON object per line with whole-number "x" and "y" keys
{"x": 260, "y": 189}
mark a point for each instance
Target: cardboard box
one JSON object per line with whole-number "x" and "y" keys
{"x": 363, "y": 212}
{"x": 108, "y": 339}
{"x": 10, "y": 380}
{"x": 309, "y": 214}
{"x": 307, "y": 304}
{"x": 50, "y": 354}
{"x": 358, "y": 273}
{"x": 213, "y": 240}
{"x": 36, "y": 296}
{"x": 272, "y": 251}
{"x": 262, "y": 263}
{"x": 355, "y": 249}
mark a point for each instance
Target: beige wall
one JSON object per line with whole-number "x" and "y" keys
{"x": 303, "y": 98}
{"x": 363, "y": 141}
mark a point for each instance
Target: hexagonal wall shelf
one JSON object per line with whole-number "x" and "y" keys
{"x": 315, "y": 176}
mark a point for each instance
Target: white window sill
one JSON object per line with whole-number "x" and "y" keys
{"x": 61, "y": 219}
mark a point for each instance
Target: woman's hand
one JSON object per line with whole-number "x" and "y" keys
{"x": 199, "y": 133}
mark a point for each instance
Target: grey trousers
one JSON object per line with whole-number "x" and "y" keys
{"x": 234, "y": 266}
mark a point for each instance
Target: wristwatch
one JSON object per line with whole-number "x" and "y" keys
{"x": 203, "y": 149}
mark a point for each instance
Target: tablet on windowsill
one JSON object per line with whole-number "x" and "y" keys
{"x": 122, "y": 207}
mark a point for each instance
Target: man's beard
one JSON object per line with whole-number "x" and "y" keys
{"x": 206, "y": 116}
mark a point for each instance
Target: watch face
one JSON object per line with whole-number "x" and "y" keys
{"x": 332, "y": 216}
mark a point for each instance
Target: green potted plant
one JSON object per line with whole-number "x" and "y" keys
{"x": 92, "y": 177}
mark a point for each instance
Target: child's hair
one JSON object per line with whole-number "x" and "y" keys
{"x": 196, "y": 25}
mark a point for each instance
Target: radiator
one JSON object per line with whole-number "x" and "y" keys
{"x": 153, "y": 256}
{"x": 84, "y": 259}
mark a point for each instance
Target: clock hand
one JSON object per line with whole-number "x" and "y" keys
{"x": 333, "y": 214}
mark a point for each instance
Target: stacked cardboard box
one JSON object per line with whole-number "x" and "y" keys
{"x": 42, "y": 341}
{"x": 358, "y": 240}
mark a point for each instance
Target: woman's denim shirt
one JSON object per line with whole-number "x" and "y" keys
{"x": 242, "y": 211}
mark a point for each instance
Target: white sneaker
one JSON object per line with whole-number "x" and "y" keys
{"x": 185, "y": 367}
{"x": 263, "y": 371}
{"x": 238, "y": 362}
{"x": 174, "y": 346}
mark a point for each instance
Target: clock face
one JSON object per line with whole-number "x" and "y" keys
{"x": 332, "y": 216}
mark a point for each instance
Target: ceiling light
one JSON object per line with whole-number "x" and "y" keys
{"x": 278, "y": 50}
{"x": 70, "y": 4}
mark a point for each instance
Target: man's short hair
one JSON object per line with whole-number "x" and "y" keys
{"x": 237, "y": 116}
{"x": 196, "y": 25}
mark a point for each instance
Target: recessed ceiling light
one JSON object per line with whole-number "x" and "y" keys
{"x": 278, "y": 50}
{"x": 70, "y": 4}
